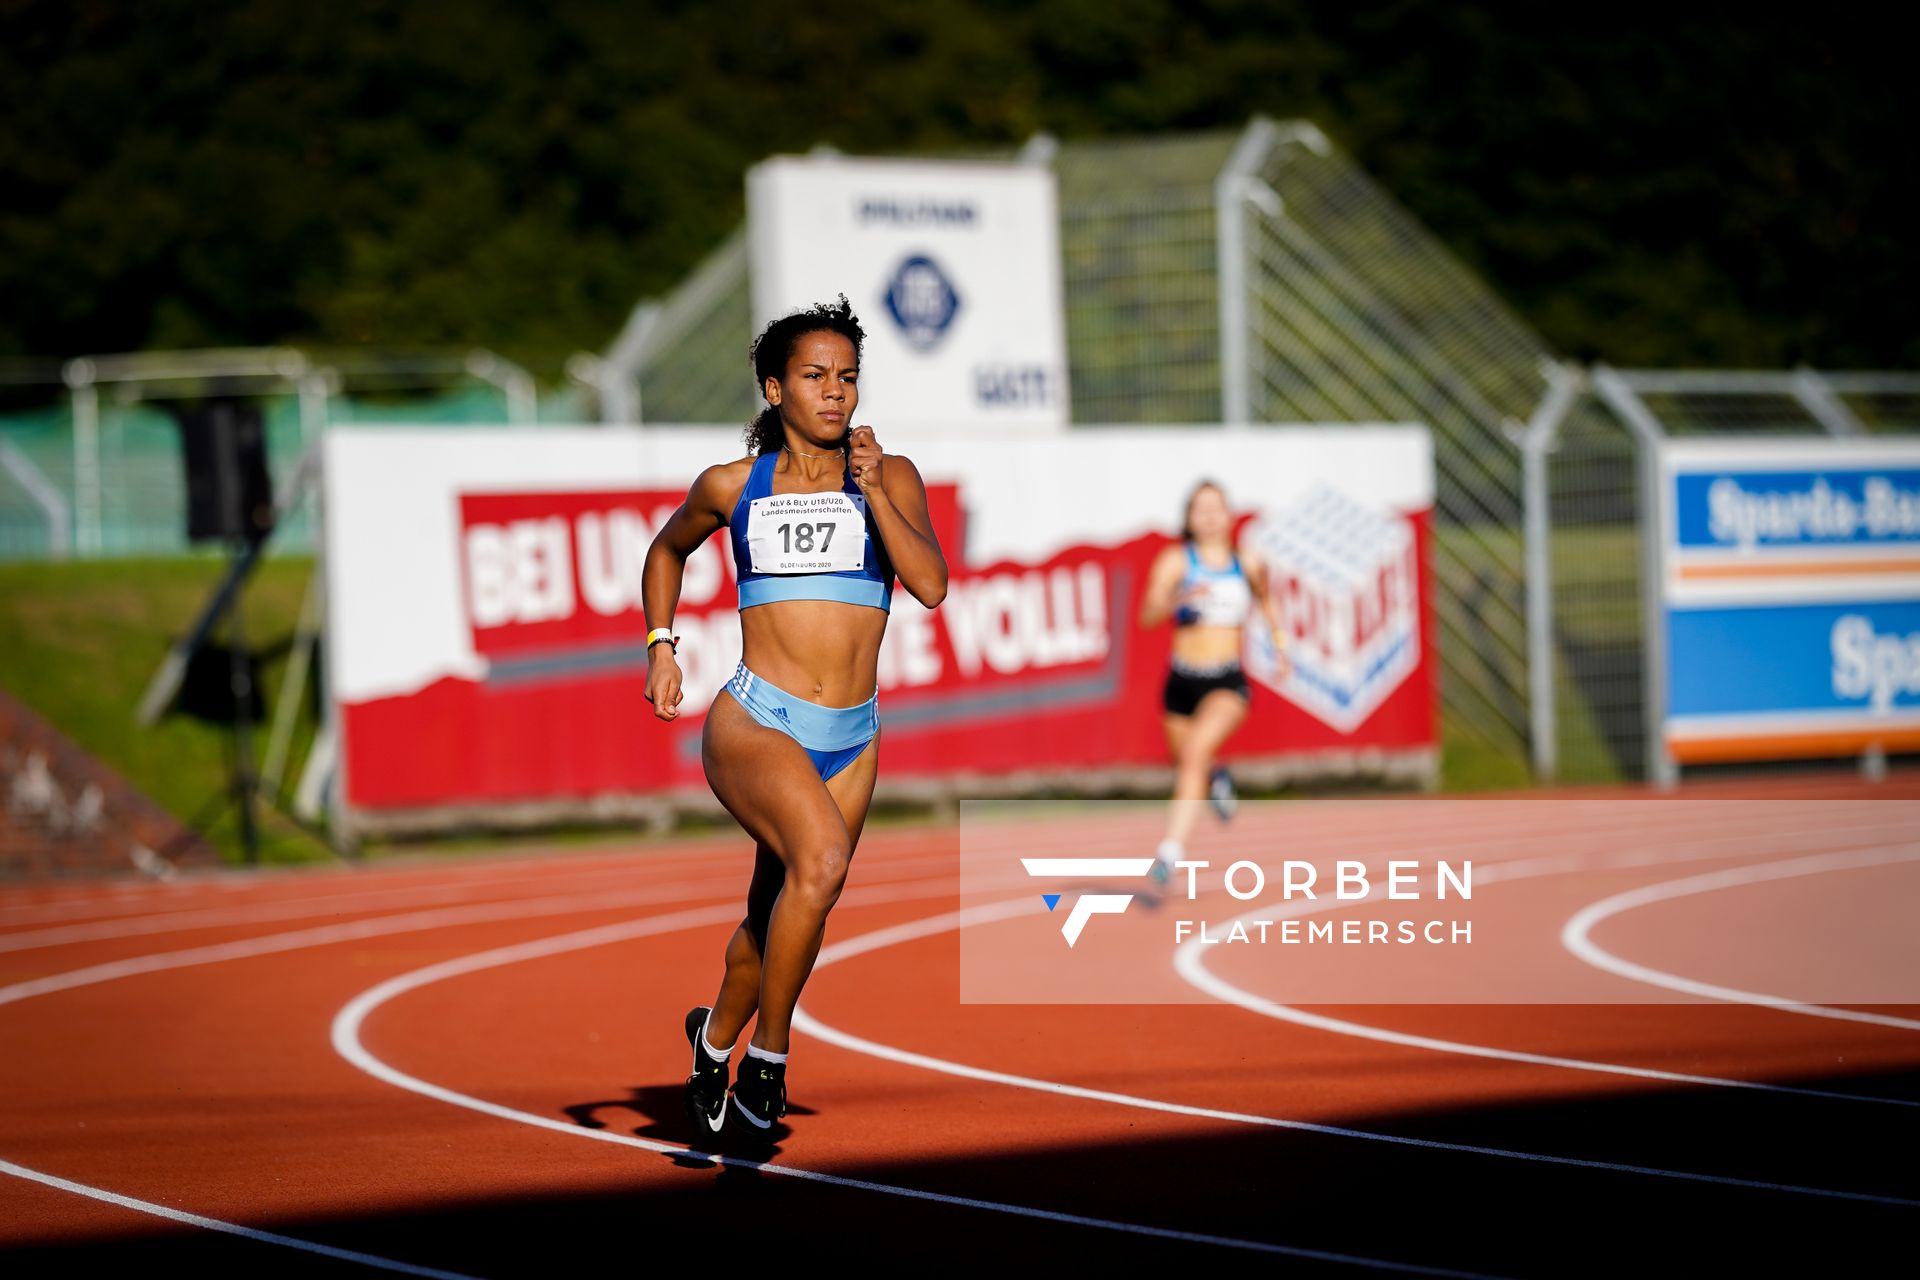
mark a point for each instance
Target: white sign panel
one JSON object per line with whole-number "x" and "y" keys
{"x": 953, "y": 269}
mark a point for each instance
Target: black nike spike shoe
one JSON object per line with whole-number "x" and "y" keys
{"x": 760, "y": 1093}
{"x": 707, "y": 1086}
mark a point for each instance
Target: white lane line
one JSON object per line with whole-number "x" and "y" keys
{"x": 347, "y": 1042}
{"x": 422, "y": 920}
{"x": 263, "y": 913}
{"x": 1190, "y": 962}
{"x": 259, "y": 887}
{"x": 1576, "y": 935}
{"x": 417, "y": 921}
{"x": 953, "y": 920}
{"x": 544, "y": 869}
{"x": 414, "y": 876}
{"x": 218, "y": 917}
{"x": 356, "y": 930}
{"x": 227, "y": 1228}
{"x": 334, "y": 889}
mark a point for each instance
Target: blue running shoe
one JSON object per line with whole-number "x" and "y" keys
{"x": 1220, "y": 793}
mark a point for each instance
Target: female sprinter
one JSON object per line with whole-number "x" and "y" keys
{"x": 1201, "y": 583}
{"x": 821, "y": 521}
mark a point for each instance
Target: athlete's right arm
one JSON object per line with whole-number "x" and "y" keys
{"x": 1158, "y": 601}
{"x": 696, "y": 519}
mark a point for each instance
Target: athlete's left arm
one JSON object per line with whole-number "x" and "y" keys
{"x": 1260, "y": 582}
{"x": 898, "y": 499}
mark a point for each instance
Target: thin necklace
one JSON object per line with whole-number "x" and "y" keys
{"x": 796, "y": 453}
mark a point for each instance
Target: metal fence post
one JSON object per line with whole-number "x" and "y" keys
{"x": 617, "y": 375}
{"x": 1564, "y": 386}
{"x": 1648, "y": 439}
{"x": 1229, "y": 197}
{"x": 1826, "y": 408}
{"x": 314, "y": 392}
{"x": 79, "y": 376}
{"x": 514, "y": 382}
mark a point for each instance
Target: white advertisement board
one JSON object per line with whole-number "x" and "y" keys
{"x": 953, "y": 268}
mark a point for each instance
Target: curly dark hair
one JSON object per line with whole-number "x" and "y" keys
{"x": 774, "y": 347}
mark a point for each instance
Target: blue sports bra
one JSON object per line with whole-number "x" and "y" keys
{"x": 807, "y": 546}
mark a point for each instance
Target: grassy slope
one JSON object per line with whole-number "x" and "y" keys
{"x": 79, "y": 641}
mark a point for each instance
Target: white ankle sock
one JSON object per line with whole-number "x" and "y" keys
{"x": 1170, "y": 852}
{"x": 768, "y": 1055}
{"x": 718, "y": 1055}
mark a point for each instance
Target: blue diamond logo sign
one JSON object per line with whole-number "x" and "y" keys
{"x": 922, "y": 302}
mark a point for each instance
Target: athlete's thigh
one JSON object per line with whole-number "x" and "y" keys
{"x": 852, "y": 790}
{"x": 1215, "y": 719}
{"x": 767, "y": 782}
{"x": 1177, "y": 728}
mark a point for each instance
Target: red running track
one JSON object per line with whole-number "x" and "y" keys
{"x": 473, "y": 1068}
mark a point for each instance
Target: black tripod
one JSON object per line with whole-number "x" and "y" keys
{"x": 229, "y": 498}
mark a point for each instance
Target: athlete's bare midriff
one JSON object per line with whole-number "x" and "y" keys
{"x": 821, "y": 650}
{"x": 1195, "y": 645}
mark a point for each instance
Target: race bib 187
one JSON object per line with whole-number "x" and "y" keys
{"x": 806, "y": 533}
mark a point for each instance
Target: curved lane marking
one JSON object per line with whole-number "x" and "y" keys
{"x": 1190, "y": 963}
{"x": 1576, "y": 936}
{"x": 950, "y": 921}
{"x": 347, "y": 1042}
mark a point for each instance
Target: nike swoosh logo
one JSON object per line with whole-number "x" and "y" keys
{"x": 752, "y": 1119}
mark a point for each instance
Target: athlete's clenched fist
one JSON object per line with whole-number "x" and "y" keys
{"x": 864, "y": 458}
{"x": 663, "y": 682}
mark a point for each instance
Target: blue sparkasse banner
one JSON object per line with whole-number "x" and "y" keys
{"x": 1789, "y": 599}
{"x": 1839, "y": 507}
{"x": 1775, "y": 659}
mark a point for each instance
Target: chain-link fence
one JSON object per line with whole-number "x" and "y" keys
{"x": 99, "y": 472}
{"x": 1340, "y": 306}
{"x": 691, "y": 350}
{"x": 1589, "y": 725}
{"x": 1589, "y": 553}
{"x": 1140, "y": 268}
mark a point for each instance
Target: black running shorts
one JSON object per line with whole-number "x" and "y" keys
{"x": 1184, "y": 689}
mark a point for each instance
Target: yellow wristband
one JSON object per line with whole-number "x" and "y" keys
{"x": 658, "y": 634}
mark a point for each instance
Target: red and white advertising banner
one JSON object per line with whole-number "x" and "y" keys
{"x": 487, "y": 644}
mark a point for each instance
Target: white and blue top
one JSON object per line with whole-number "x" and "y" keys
{"x": 1227, "y": 599}
{"x": 807, "y": 546}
